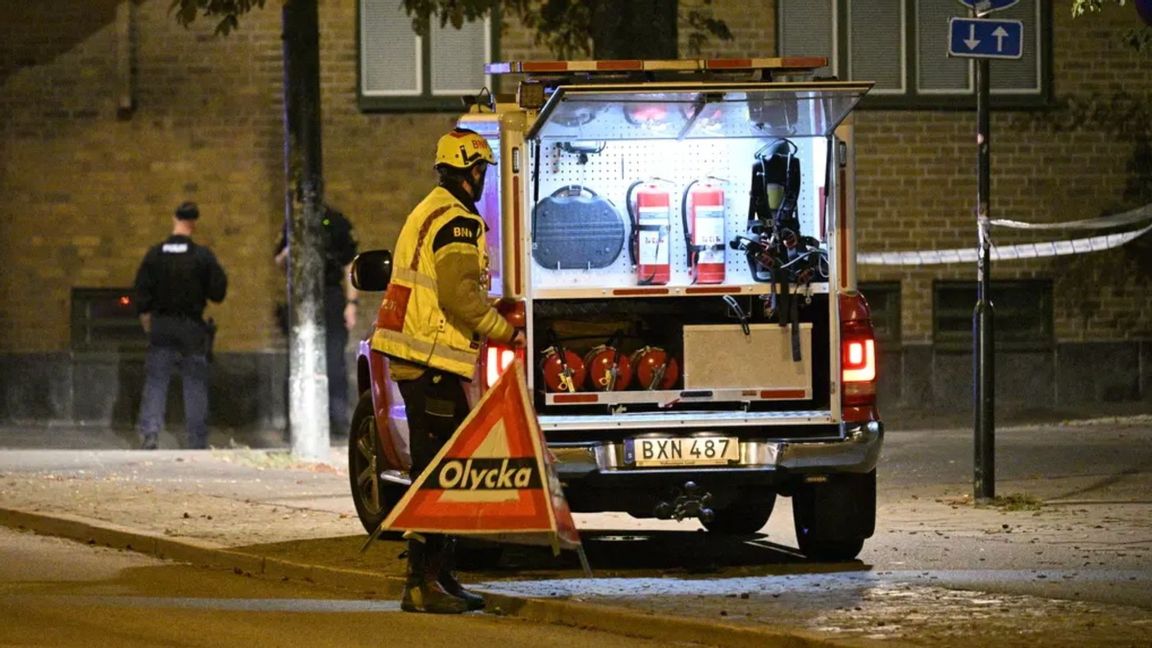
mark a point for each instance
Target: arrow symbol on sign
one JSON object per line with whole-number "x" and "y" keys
{"x": 1000, "y": 35}
{"x": 971, "y": 41}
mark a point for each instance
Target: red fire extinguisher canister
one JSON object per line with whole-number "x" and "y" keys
{"x": 651, "y": 236}
{"x": 704, "y": 205}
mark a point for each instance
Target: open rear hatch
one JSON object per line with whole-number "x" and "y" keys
{"x": 613, "y": 350}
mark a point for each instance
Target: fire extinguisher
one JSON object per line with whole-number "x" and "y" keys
{"x": 650, "y": 208}
{"x": 563, "y": 370}
{"x": 702, "y": 210}
{"x": 608, "y": 369}
{"x": 655, "y": 368}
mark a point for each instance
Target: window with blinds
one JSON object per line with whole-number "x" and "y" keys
{"x": 875, "y": 47}
{"x": 402, "y": 71}
{"x": 809, "y": 31}
{"x": 902, "y": 46}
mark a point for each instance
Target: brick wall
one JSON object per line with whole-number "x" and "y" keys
{"x": 916, "y": 183}
{"x": 86, "y": 192}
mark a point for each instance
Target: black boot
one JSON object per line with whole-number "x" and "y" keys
{"x": 447, "y": 576}
{"x": 422, "y": 592}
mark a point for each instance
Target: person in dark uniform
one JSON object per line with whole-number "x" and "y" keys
{"x": 173, "y": 285}
{"x": 340, "y": 308}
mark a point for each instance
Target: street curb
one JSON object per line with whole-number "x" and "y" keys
{"x": 591, "y": 616}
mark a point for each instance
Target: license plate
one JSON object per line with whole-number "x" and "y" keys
{"x": 684, "y": 451}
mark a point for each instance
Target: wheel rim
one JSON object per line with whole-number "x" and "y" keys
{"x": 368, "y": 477}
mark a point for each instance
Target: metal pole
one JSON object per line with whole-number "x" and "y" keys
{"x": 983, "y": 359}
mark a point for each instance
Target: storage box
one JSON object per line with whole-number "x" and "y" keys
{"x": 721, "y": 356}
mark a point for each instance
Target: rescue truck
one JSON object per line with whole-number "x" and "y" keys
{"x": 677, "y": 239}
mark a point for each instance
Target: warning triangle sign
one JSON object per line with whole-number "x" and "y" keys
{"x": 493, "y": 476}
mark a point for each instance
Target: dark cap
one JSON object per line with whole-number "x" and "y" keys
{"x": 187, "y": 211}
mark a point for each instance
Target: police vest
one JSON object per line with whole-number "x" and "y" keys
{"x": 411, "y": 325}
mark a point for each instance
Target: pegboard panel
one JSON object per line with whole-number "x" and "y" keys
{"x": 609, "y": 168}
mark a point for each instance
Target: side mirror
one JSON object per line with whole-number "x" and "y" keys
{"x": 371, "y": 270}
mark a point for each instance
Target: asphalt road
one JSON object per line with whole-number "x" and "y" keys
{"x": 60, "y": 593}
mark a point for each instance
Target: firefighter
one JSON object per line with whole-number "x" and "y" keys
{"x": 433, "y": 318}
{"x": 173, "y": 285}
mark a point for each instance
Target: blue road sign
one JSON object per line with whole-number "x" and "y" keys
{"x": 982, "y": 38}
{"x": 984, "y": 6}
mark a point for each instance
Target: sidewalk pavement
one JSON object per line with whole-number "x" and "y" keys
{"x": 257, "y": 512}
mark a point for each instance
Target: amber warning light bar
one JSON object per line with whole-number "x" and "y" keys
{"x": 636, "y": 65}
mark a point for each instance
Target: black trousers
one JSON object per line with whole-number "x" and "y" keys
{"x": 176, "y": 343}
{"x": 335, "y": 356}
{"x": 436, "y": 405}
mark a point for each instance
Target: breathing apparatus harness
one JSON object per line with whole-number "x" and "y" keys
{"x": 777, "y": 252}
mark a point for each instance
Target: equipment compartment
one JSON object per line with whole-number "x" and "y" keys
{"x": 609, "y": 352}
{"x": 626, "y": 213}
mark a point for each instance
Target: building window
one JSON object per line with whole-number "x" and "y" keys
{"x": 1022, "y": 314}
{"x": 404, "y": 72}
{"x": 884, "y": 302}
{"x": 104, "y": 319}
{"x": 902, "y": 45}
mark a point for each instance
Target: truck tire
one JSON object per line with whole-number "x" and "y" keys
{"x": 745, "y": 516}
{"x": 830, "y": 550}
{"x": 833, "y": 518}
{"x": 374, "y": 498}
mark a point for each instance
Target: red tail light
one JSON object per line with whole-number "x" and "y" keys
{"x": 857, "y": 358}
{"x": 496, "y": 360}
{"x": 859, "y": 361}
{"x": 498, "y": 357}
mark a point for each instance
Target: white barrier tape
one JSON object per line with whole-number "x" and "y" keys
{"x": 1003, "y": 253}
{"x": 1138, "y": 215}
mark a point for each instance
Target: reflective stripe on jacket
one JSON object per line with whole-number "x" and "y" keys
{"x": 429, "y": 336}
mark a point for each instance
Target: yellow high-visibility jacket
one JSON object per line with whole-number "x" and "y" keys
{"x": 436, "y": 310}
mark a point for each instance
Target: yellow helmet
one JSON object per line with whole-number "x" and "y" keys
{"x": 462, "y": 148}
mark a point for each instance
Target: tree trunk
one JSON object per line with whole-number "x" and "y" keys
{"x": 637, "y": 29}
{"x": 307, "y": 370}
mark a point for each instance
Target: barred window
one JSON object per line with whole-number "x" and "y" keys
{"x": 402, "y": 71}
{"x": 104, "y": 319}
{"x": 902, "y": 45}
{"x": 1022, "y": 314}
